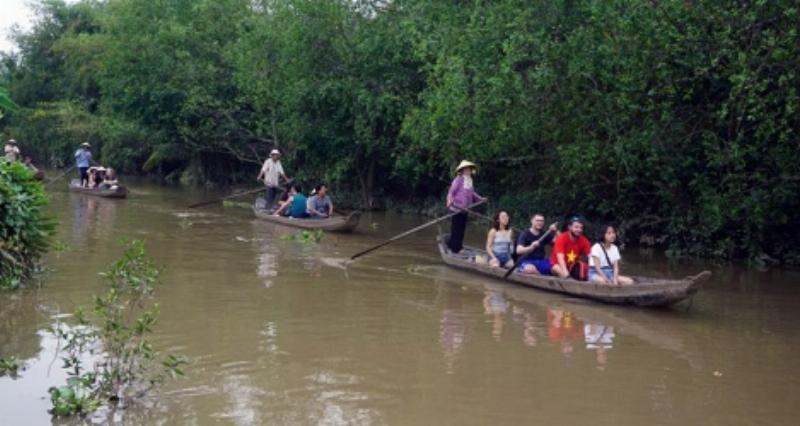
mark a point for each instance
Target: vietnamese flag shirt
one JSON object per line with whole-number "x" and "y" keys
{"x": 571, "y": 249}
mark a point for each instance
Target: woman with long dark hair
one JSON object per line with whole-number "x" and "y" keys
{"x": 461, "y": 195}
{"x": 499, "y": 241}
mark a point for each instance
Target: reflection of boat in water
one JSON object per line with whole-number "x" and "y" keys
{"x": 118, "y": 192}
{"x": 645, "y": 291}
{"x": 338, "y": 223}
{"x": 655, "y": 327}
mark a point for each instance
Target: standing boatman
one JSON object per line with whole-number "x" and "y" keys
{"x": 271, "y": 172}
{"x": 11, "y": 150}
{"x": 83, "y": 156}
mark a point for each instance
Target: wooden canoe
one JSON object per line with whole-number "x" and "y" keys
{"x": 645, "y": 291}
{"x": 333, "y": 224}
{"x": 118, "y": 192}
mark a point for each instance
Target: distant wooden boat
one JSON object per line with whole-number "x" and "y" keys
{"x": 645, "y": 291}
{"x": 333, "y": 224}
{"x": 118, "y": 192}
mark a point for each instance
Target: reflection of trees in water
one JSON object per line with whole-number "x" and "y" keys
{"x": 19, "y": 324}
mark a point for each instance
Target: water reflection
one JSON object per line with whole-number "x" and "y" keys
{"x": 564, "y": 329}
{"x": 496, "y": 305}
{"x": 91, "y": 215}
{"x": 452, "y": 336}
{"x": 19, "y": 324}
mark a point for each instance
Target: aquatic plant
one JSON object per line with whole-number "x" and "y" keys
{"x": 239, "y": 204}
{"x": 305, "y": 236}
{"x": 117, "y": 328}
{"x": 25, "y": 229}
{"x": 10, "y": 366}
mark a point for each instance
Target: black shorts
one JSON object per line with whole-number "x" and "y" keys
{"x": 84, "y": 172}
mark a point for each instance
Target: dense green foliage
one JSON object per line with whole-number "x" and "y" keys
{"x": 678, "y": 119}
{"x": 25, "y": 230}
{"x": 6, "y": 104}
{"x": 120, "y": 323}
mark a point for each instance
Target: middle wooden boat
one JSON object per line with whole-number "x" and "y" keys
{"x": 339, "y": 223}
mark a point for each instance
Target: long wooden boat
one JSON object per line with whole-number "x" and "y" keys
{"x": 333, "y": 224}
{"x": 645, "y": 291}
{"x": 118, "y": 192}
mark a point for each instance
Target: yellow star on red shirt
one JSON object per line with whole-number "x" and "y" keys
{"x": 571, "y": 256}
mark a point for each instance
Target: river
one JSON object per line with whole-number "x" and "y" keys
{"x": 284, "y": 332}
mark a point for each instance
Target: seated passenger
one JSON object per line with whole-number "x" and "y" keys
{"x": 604, "y": 260}
{"x": 498, "y": 242}
{"x": 568, "y": 248}
{"x": 294, "y": 205}
{"x": 100, "y": 176}
{"x": 91, "y": 182}
{"x": 531, "y": 249}
{"x": 320, "y": 206}
{"x": 109, "y": 180}
{"x": 299, "y": 204}
{"x": 284, "y": 200}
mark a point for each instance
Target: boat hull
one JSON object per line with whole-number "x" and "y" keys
{"x": 645, "y": 291}
{"x": 334, "y": 224}
{"x": 119, "y": 192}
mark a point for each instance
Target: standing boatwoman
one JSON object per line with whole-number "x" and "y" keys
{"x": 461, "y": 195}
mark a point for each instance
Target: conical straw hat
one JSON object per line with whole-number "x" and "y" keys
{"x": 464, "y": 164}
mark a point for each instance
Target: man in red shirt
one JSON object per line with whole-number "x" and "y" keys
{"x": 568, "y": 248}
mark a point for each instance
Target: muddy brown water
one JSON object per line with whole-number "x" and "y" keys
{"x": 280, "y": 332}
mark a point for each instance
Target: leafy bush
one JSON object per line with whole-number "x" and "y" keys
{"x": 25, "y": 229}
{"x": 118, "y": 328}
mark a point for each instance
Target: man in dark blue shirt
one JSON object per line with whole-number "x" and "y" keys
{"x": 530, "y": 246}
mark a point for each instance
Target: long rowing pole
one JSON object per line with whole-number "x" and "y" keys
{"x": 205, "y": 203}
{"x": 488, "y": 219}
{"x": 59, "y": 176}
{"x": 411, "y": 231}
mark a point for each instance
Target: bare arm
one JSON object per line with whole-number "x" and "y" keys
{"x": 562, "y": 266}
{"x": 526, "y": 250}
{"x": 616, "y": 272}
{"x": 599, "y": 270}
{"x": 489, "y": 242}
{"x": 311, "y": 210}
{"x": 284, "y": 205}
{"x": 260, "y": 173}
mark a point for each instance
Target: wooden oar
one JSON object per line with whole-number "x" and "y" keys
{"x": 519, "y": 259}
{"x": 205, "y": 203}
{"x": 488, "y": 219}
{"x": 411, "y": 231}
{"x": 59, "y": 176}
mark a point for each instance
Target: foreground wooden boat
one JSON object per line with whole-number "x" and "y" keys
{"x": 118, "y": 192}
{"x": 645, "y": 292}
{"x": 333, "y": 224}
